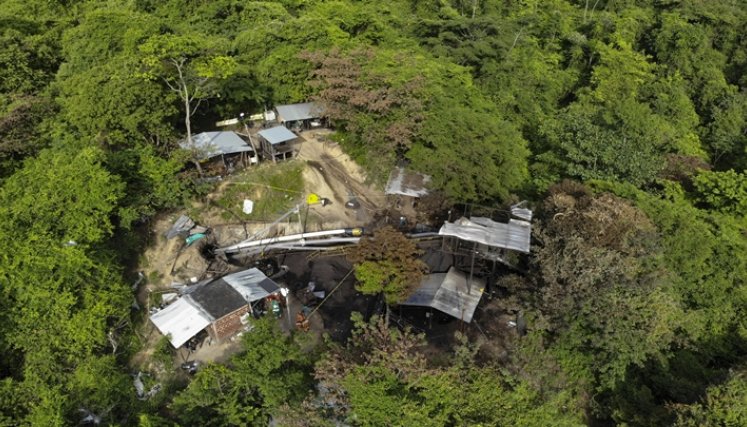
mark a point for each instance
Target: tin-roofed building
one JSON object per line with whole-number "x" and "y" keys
{"x": 407, "y": 183}
{"x": 221, "y": 306}
{"x": 181, "y": 320}
{"x": 300, "y": 116}
{"x": 452, "y": 293}
{"x": 278, "y": 143}
{"x": 223, "y": 144}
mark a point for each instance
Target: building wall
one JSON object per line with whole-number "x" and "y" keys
{"x": 228, "y": 324}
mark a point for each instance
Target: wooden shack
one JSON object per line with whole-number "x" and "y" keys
{"x": 221, "y": 306}
{"x": 278, "y": 143}
{"x": 307, "y": 115}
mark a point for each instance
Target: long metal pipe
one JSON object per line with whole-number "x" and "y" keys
{"x": 290, "y": 238}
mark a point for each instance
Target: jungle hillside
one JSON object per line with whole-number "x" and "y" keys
{"x": 621, "y": 123}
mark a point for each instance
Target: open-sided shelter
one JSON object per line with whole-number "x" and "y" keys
{"x": 278, "y": 143}
{"x": 453, "y": 293}
{"x": 223, "y": 144}
{"x": 300, "y": 116}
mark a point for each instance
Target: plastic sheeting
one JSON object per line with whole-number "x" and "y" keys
{"x": 514, "y": 235}
{"x": 181, "y": 321}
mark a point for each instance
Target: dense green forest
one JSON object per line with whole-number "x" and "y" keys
{"x": 623, "y": 122}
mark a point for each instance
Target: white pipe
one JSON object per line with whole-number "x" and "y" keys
{"x": 292, "y": 237}
{"x": 324, "y": 242}
{"x": 304, "y": 246}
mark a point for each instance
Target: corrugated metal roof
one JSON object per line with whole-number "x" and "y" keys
{"x": 252, "y": 284}
{"x": 294, "y": 112}
{"x": 515, "y": 235}
{"x": 450, "y": 293}
{"x": 407, "y": 183}
{"x": 181, "y": 320}
{"x": 212, "y": 144}
{"x": 277, "y": 135}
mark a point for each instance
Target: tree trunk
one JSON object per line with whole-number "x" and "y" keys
{"x": 386, "y": 315}
{"x": 188, "y": 125}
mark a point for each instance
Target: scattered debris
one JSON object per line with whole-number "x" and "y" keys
{"x": 89, "y": 417}
{"x": 140, "y": 278}
{"x": 193, "y": 238}
{"x": 302, "y": 323}
{"x": 191, "y": 367}
{"x": 169, "y": 297}
{"x": 181, "y": 227}
{"x": 353, "y": 203}
{"x": 140, "y": 388}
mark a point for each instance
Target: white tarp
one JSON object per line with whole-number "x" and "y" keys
{"x": 514, "y": 235}
{"x": 520, "y": 211}
{"x": 181, "y": 321}
{"x": 452, "y": 293}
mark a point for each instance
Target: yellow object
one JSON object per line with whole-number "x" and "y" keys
{"x": 313, "y": 199}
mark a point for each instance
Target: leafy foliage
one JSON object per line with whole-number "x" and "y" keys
{"x": 634, "y": 303}
{"x": 381, "y": 378}
{"x": 386, "y": 263}
{"x": 269, "y": 372}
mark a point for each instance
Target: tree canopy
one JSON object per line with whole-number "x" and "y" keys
{"x": 622, "y": 123}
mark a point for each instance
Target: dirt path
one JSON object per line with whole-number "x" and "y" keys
{"x": 333, "y": 174}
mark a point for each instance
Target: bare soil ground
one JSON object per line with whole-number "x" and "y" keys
{"x": 328, "y": 172}
{"x": 333, "y": 174}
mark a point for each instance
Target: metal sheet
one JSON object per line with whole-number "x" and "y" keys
{"x": 514, "y": 235}
{"x": 252, "y": 284}
{"x": 181, "y": 321}
{"x": 277, "y": 135}
{"x": 295, "y": 112}
{"x": 407, "y": 183}
{"x": 452, "y": 293}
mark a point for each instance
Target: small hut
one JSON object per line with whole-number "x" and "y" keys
{"x": 298, "y": 117}
{"x": 227, "y": 145}
{"x": 278, "y": 143}
{"x": 453, "y": 293}
{"x": 404, "y": 189}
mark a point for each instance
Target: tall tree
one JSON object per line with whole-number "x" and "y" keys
{"x": 192, "y": 66}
